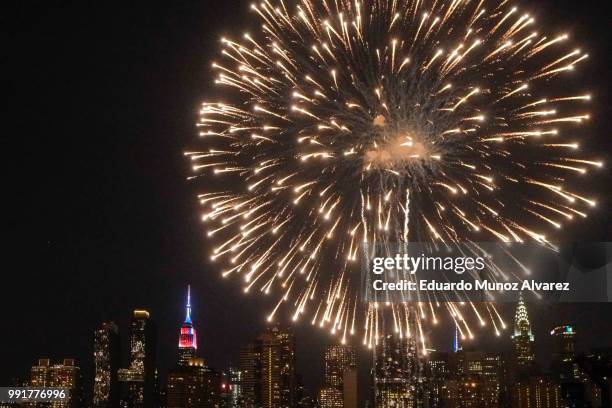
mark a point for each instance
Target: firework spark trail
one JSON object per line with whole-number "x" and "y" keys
{"x": 385, "y": 122}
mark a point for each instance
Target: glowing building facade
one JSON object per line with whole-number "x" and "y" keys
{"x": 396, "y": 372}
{"x": 478, "y": 379}
{"x": 338, "y": 359}
{"x": 339, "y": 362}
{"x": 107, "y": 357}
{"x": 137, "y": 382}
{"x": 268, "y": 370}
{"x": 437, "y": 371}
{"x": 62, "y": 375}
{"x": 235, "y": 385}
{"x": 193, "y": 385}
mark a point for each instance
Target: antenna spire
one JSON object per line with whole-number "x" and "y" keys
{"x": 188, "y": 306}
{"x": 456, "y": 342}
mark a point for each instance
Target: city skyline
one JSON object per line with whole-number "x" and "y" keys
{"x": 333, "y": 360}
{"x": 446, "y": 343}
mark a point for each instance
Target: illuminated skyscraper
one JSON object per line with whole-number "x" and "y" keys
{"x": 193, "y": 385}
{"x": 522, "y": 340}
{"x": 235, "y": 386}
{"x": 64, "y": 375}
{"x": 338, "y": 361}
{"x": 188, "y": 343}
{"x": 107, "y": 357}
{"x": 278, "y": 368}
{"x": 396, "y": 371}
{"x": 479, "y": 379}
{"x": 528, "y": 387}
{"x": 250, "y": 367}
{"x": 40, "y": 374}
{"x": 437, "y": 373}
{"x": 268, "y": 369}
{"x": 137, "y": 382}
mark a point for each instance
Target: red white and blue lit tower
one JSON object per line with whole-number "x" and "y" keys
{"x": 188, "y": 343}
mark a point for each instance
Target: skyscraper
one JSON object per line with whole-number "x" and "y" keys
{"x": 565, "y": 343}
{"x": 437, "y": 371}
{"x": 137, "y": 382}
{"x": 193, "y": 385}
{"x": 479, "y": 378}
{"x": 188, "y": 343}
{"x": 235, "y": 379}
{"x": 578, "y": 388}
{"x": 250, "y": 366}
{"x": 278, "y": 368}
{"x": 522, "y": 340}
{"x": 268, "y": 368}
{"x": 63, "y": 375}
{"x": 396, "y": 371}
{"x": 338, "y": 360}
{"x": 528, "y": 387}
{"x": 107, "y": 357}
{"x": 564, "y": 366}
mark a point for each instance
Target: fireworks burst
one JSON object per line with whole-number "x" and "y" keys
{"x": 385, "y": 121}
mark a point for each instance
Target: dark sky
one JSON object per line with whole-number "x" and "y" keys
{"x": 103, "y": 99}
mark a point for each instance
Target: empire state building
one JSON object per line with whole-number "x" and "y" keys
{"x": 188, "y": 343}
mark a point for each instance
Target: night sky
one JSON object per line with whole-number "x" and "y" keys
{"x": 103, "y": 101}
